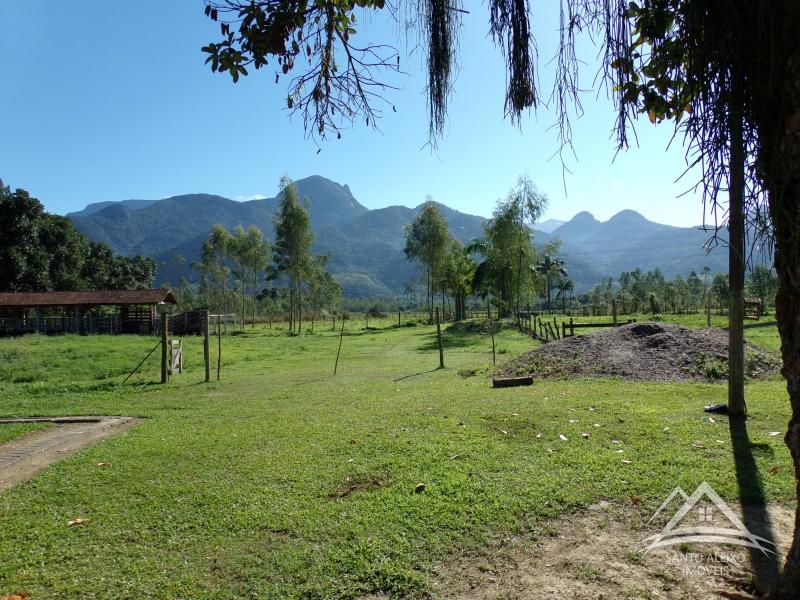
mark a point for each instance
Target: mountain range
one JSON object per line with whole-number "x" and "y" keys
{"x": 366, "y": 246}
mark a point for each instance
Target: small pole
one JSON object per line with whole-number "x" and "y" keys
{"x": 708, "y": 313}
{"x": 206, "y": 346}
{"x": 614, "y": 311}
{"x": 571, "y": 327}
{"x": 398, "y": 317}
{"x": 341, "y": 335}
{"x": 439, "y": 339}
{"x": 164, "y": 358}
{"x": 219, "y": 347}
{"x": 491, "y": 329}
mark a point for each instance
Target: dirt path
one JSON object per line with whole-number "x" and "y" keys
{"x": 25, "y": 456}
{"x": 598, "y": 554}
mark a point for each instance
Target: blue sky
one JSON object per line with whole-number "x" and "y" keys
{"x": 109, "y": 101}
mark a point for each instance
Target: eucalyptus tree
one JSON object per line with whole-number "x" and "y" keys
{"x": 508, "y": 256}
{"x": 427, "y": 239}
{"x": 726, "y": 74}
{"x": 763, "y": 284}
{"x": 216, "y": 273}
{"x": 720, "y": 290}
{"x": 458, "y": 272}
{"x": 292, "y": 247}
{"x": 322, "y": 288}
{"x": 250, "y": 255}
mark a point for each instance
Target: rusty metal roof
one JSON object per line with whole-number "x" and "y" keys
{"x": 89, "y": 298}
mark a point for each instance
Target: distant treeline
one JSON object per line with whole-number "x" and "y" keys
{"x": 42, "y": 252}
{"x": 650, "y": 292}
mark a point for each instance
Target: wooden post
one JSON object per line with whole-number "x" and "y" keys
{"x": 555, "y": 328}
{"x": 206, "y": 349}
{"x": 439, "y": 340}
{"x": 491, "y": 328}
{"x": 164, "y": 358}
{"x": 341, "y": 335}
{"x": 398, "y": 317}
{"x": 736, "y": 193}
{"x": 708, "y": 313}
{"x": 219, "y": 346}
{"x": 614, "y": 311}
{"x": 571, "y": 327}
{"x": 563, "y": 329}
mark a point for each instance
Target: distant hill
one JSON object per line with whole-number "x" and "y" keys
{"x": 549, "y": 225}
{"x": 98, "y": 206}
{"x": 629, "y": 241}
{"x": 366, "y": 246}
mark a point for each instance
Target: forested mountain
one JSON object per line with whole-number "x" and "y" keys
{"x": 366, "y": 246}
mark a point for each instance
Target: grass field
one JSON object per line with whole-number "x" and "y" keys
{"x": 281, "y": 481}
{"x": 9, "y": 431}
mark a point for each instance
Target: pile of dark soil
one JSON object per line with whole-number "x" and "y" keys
{"x": 642, "y": 351}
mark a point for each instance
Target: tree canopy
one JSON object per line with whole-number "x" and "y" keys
{"x": 41, "y": 252}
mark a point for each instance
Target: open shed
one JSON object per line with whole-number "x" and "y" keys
{"x": 132, "y": 311}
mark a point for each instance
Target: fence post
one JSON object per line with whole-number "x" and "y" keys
{"x": 341, "y": 335}
{"x": 614, "y": 311}
{"x": 219, "y": 345}
{"x": 206, "y": 349}
{"x": 398, "y": 317}
{"x": 164, "y": 371}
{"x": 491, "y": 328}
{"x": 439, "y": 339}
{"x": 571, "y": 327}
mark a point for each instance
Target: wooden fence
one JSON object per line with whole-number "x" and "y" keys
{"x": 572, "y": 325}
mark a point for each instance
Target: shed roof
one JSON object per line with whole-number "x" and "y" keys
{"x": 88, "y": 298}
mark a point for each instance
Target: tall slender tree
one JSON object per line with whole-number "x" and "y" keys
{"x": 427, "y": 239}
{"x": 292, "y": 248}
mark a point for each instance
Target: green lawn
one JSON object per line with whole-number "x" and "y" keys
{"x": 9, "y": 431}
{"x": 282, "y": 481}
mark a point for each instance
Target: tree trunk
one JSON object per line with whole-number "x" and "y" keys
{"x": 780, "y": 108}
{"x": 736, "y": 403}
{"x": 299, "y": 306}
{"x": 786, "y": 217}
{"x": 255, "y": 293}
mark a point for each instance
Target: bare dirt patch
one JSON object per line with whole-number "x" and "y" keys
{"x": 25, "y": 456}
{"x": 360, "y": 483}
{"x": 642, "y": 351}
{"x": 598, "y": 554}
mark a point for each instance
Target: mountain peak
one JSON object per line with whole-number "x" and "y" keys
{"x": 583, "y": 216}
{"x": 628, "y": 216}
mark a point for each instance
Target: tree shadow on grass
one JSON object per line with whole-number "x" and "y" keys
{"x": 461, "y": 335}
{"x": 753, "y": 501}
{"x": 416, "y": 374}
{"x": 760, "y": 324}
